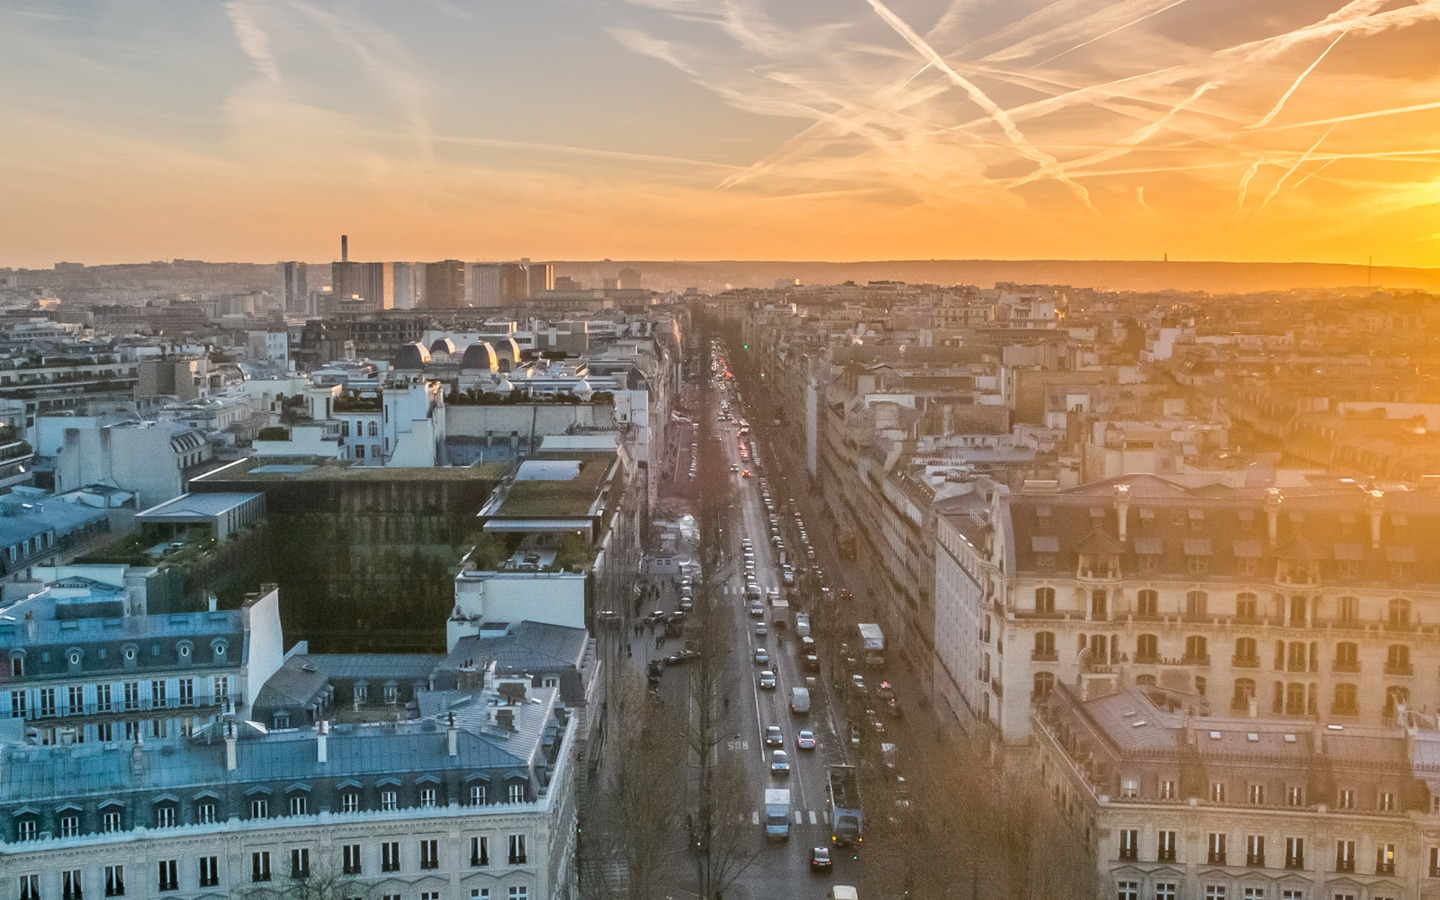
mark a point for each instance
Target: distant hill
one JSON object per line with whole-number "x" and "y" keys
{"x": 1132, "y": 275}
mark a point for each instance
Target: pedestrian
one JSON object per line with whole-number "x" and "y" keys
{"x": 628, "y": 654}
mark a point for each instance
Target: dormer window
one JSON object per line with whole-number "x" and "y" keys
{"x": 17, "y": 664}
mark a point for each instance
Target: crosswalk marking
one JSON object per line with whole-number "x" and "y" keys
{"x": 800, "y": 816}
{"x": 812, "y": 817}
{"x": 755, "y": 818}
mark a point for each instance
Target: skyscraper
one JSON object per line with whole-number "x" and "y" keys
{"x": 402, "y": 285}
{"x": 294, "y": 293}
{"x": 445, "y": 284}
{"x": 540, "y": 277}
{"x": 352, "y": 279}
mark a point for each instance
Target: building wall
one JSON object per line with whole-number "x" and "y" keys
{"x": 554, "y": 598}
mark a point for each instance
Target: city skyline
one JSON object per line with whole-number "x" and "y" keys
{"x": 670, "y": 129}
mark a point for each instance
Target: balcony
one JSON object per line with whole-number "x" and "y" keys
{"x": 1044, "y": 655}
{"x": 1255, "y": 860}
{"x": 1147, "y": 659}
{"x": 1245, "y": 662}
{"x": 1399, "y": 669}
{"x": 1350, "y": 667}
{"x": 1195, "y": 660}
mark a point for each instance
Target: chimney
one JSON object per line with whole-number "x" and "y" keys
{"x": 230, "y": 761}
{"x": 344, "y": 248}
{"x": 1376, "y": 509}
{"x": 1272, "y": 515}
{"x": 1122, "y": 508}
{"x": 452, "y": 739}
{"x": 137, "y": 756}
{"x": 322, "y": 741}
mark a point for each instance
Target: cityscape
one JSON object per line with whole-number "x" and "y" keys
{"x": 664, "y": 450}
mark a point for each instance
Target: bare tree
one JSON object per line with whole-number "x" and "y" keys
{"x": 324, "y": 881}
{"x": 648, "y": 790}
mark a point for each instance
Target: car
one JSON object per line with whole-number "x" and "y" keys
{"x": 686, "y": 604}
{"x": 780, "y": 764}
{"x": 762, "y": 656}
{"x": 761, "y": 630}
{"x": 820, "y": 859}
{"x": 854, "y": 735}
{"x": 682, "y": 657}
{"x": 857, "y": 683}
{"x": 774, "y": 737}
{"x": 767, "y": 680}
{"x": 757, "y": 609}
{"x": 654, "y": 617}
{"x": 805, "y": 739}
{"x": 810, "y": 662}
{"x": 734, "y": 468}
{"x": 746, "y": 474}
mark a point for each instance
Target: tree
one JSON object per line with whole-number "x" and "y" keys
{"x": 325, "y": 881}
{"x": 648, "y": 789}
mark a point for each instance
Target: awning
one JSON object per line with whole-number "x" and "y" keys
{"x": 1248, "y": 549}
{"x": 1350, "y": 552}
{"x": 1197, "y": 547}
{"x": 1400, "y": 554}
{"x": 1149, "y": 546}
{"x": 1045, "y": 544}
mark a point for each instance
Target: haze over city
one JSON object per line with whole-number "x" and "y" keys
{"x": 659, "y": 129}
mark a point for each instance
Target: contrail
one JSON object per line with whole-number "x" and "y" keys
{"x": 1114, "y": 30}
{"x": 1355, "y": 117}
{"x": 1280, "y": 104}
{"x": 979, "y": 97}
{"x": 1245, "y": 188}
{"x": 1280, "y": 182}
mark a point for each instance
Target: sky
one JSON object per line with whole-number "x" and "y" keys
{"x": 260, "y": 130}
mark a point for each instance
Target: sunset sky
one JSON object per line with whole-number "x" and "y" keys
{"x": 259, "y": 130}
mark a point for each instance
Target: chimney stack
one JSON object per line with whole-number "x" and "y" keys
{"x": 230, "y": 761}
{"x": 452, "y": 738}
{"x": 322, "y": 737}
{"x": 344, "y": 248}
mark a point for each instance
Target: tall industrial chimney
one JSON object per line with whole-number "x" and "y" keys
{"x": 344, "y": 248}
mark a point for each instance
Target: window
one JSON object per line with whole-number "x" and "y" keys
{"x": 518, "y": 893}
{"x": 479, "y": 851}
{"x": 26, "y": 829}
{"x": 1165, "y": 890}
{"x": 1399, "y": 613}
{"x": 165, "y": 816}
{"x": 187, "y": 692}
{"x": 429, "y": 854}
{"x": 1347, "y": 610}
{"x": 114, "y": 881}
{"x": 388, "y": 801}
{"x": 260, "y": 866}
{"x": 1214, "y": 892}
{"x": 69, "y": 825}
{"x": 517, "y": 849}
{"x": 350, "y": 802}
{"x": 47, "y": 702}
{"x": 1255, "y": 850}
{"x": 1099, "y": 606}
{"x": 110, "y": 821}
{"x": 1217, "y": 792}
{"x": 75, "y": 697}
{"x": 299, "y": 805}
{"x": 1344, "y": 856}
{"x": 1127, "y": 890}
{"x": 1197, "y": 649}
{"x": 209, "y": 871}
{"x": 1197, "y": 565}
{"x": 516, "y": 792}
{"x": 1147, "y": 648}
{"x": 259, "y": 808}
{"x": 1045, "y": 600}
{"x": 1129, "y": 844}
{"x": 169, "y": 874}
{"x": 1147, "y": 603}
{"x": 157, "y": 694}
{"x": 427, "y": 796}
{"x": 1294, "y": 853}
{"x": 1129, "y": 788}
{"x": 1167, "y": 789}
{"x": 71, "y": 885}
{"x": 1253, "y": 893}
{"x": 1395, "y": 697}
{"x": 17, "y": 704}
{"x": 1247, "y": 653}
{"x": 350, "y": 861}
{"x": 1216, "y": 849}
{"x": 29, "y": 887}
{"x": 1397, "y": 662}
{"x": 374, "y": 429}
{"x": 1196, "y": 604}
{"x": 477, "y": 795}
{"x": 1385, "y": 859}
{"x": 1257, "y": 794}
{"x": 1247, "y": 566}
{"x": 390, "y": 856}
{"x": 1044, "y": 683}
{"x": 1294, "y": 795}
{"x": 479, "y": 894}
{"x": 1165, "y": 846}
{"x": 1345, "y": 799}
{"x": 300, "y": 862}
{"x": 1386, "y": 801}
{"x": 1044, "y": 646}
{"x": 429, "y": 895}
{"x": 1244, "y": 693}
{"x": 1347, "y": 657}
{"x": 205, "y": 812}
{"x": 1435, "y": 862}
{"x": 1149, "y": 563}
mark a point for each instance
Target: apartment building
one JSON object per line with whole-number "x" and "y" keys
{"x": 1174, "y": 802}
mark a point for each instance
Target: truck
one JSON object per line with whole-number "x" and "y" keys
{"x": 890, "y": 759}
{"x": 802, "y": 625}
{"x": 779, "y": 613}
{"x": 872, "y": 644}
{"x": 800, "y": 700}
{"x": 777, "y": 814}
{"x": 842, "y": 796}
